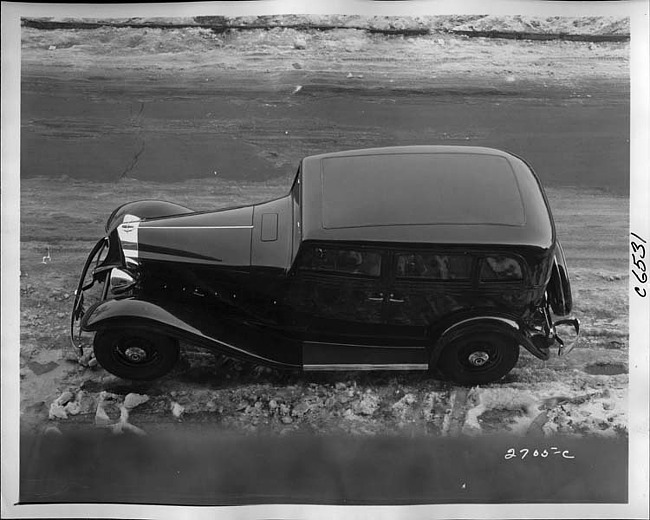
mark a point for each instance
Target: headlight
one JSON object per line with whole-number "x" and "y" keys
{"x": 120, "y": 281}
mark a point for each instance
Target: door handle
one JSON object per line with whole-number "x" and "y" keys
{"x": 378, "y": 298}
{"x": 392, "y": 299}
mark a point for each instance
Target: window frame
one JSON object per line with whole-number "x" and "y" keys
{"x": 469, "y": 279}
{"x": 481, "y": 259}
{"x": 305, "y": 247}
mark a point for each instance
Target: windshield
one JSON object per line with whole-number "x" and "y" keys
{"x": 296, "y": 196}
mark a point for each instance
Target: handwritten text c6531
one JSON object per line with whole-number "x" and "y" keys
{"x": 639, "y": 267}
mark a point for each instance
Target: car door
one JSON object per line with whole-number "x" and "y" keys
{"x": 338, "y": 290}
{"x": 426, "y": 285}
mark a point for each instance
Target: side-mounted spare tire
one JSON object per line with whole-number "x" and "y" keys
{"x": 133, "y": 353}
{"x": 477, "y": 354}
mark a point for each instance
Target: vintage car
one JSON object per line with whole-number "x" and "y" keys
{"x": 441, "y": 258}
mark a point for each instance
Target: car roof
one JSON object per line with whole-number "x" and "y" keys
{"x": 424, "y": 194}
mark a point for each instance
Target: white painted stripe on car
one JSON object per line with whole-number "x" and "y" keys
{"x": 128, "y": 233}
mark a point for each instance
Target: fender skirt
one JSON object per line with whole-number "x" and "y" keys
{"x": 232, "y": 337}
{"x": 507, "y": 325}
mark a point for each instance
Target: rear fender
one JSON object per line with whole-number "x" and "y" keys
{"x": 506, "y": 324}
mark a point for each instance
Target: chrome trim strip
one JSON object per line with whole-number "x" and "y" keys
{"x": 195, "y": 227}
{"x": 364, "y": 366}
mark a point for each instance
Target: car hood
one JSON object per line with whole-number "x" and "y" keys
{"x": 215, "y": 238}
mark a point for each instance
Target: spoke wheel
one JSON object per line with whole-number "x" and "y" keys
{"x": 478, "y": 356}
{"x": 135, "y": 354}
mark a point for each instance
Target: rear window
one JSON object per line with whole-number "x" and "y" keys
{"x": 433, "y": 266}
{"x": 500, "y": 268}
{"x": 341, "y": 260}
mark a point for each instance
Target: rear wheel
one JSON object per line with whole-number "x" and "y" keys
{"x": 134, "y": 353}
{"x": 478, "y": 355}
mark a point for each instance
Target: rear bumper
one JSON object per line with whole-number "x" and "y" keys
{"x": 564, "y": 346}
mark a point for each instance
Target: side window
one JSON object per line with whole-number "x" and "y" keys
{"x": 500, "y": 268}
{"x": 340, "y": 260}
{"x": 433, "y": 266}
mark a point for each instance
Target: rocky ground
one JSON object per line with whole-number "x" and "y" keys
{"x": 62, "y": 216}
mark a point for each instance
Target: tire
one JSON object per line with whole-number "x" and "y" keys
{"x": 478, "y": 355}
{"x": 135, "y": 353}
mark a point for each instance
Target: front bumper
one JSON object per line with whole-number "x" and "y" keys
{"x": 91, "y": 290}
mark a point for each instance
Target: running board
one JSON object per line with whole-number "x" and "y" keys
{"x": 321, "y": 355}
{"x": 365, "y": 367}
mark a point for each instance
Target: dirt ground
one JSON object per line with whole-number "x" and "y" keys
{"x": 118, "y": 114}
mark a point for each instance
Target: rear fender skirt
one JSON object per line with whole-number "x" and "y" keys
{"x": 130, "y": 312}
{"x": 508, "y": 325}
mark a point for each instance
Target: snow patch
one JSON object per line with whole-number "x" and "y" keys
{"x": 501, "y": 398}
{"x": 566, "y": 410}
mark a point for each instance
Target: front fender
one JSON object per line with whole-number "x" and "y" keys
{"x": 509, "y": 325}
{"x": 187, "y": 323}
{"x": 111, "y": 311}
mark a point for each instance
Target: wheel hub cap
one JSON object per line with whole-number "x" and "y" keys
{"x": 135, "y": 354}
{"x": 479, "y": 358}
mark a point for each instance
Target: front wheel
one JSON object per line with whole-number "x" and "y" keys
{"x": 134, "y": 353}
{"x": 478, "y": 355}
